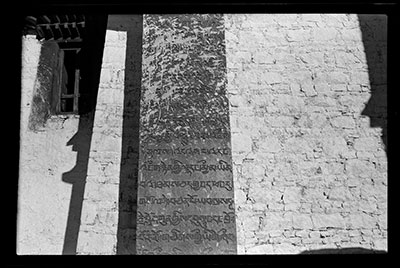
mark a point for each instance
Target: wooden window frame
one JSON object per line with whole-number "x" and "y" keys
{"x": 58, "y": 95}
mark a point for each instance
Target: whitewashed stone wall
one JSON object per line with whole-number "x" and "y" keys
{"x": 310, "y": 172}
{"x": 99, "y": 221}
{"x": 43, "y": 198}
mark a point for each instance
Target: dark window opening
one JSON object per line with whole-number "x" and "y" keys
{"x": 74, "y": 46}
{"x": 69, "y": 78}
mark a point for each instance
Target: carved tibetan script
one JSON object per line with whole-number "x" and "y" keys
{"x": 185, "y": 188}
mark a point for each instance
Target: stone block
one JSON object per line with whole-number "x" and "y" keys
{"x": 367, "y": 206}
{"x": 287, "y": 20}
{"x": 360, "y": 220}
{"x": 292, "y": 207}
{"x": 302, "y": 233}
{"x": 231, "y": 38}
{"x": 98, "y": 192}
{"x": 89, "y": 213}
{"x": 346, "y": 122}
{"x": 241, "y": 57}
{"x": 339, "y": 87}
{"x": 369, "y": 220}
{"x": 276, "y": 221}
{"x": 289, "y": 233}
{"x": 110, "y": 95}
{"x": 264, "y": 196}
{"x": 273, "y": 38}
{"x": 324, "y": 34}
{"x": 103, "y": 168}
{"x": 313, "y": 194}
{"x": 280, "y": 121}
{"x": 256, "y": 171}
{"x": 261, "y": 249}
{"x": 313, "y": 58}
{"x": 324, "y": 102}
{"x": 314, "y": 234}
{"x": 354, "y": 233}
{"x": 270, "y": 78}
{"x": 101, "y": 226}
{"x": 275, "y": 233}
{"x": 248, "y": 78}
{"x": 312, "y": 17}
{"x": 114, "y": 55}
{"x": 380, "y": 244}
{"x": 298, "y": 35}
{"x": 105, "y": 76}
{"x": 236, "y": 100}
{"x": 322, "y": 88}
{"x": 301, "y": 77}
{"x": 334, "y": 77}
{"x": 263, "y": 58}
{"x": 250, "y": 223}
{"x": 286, "y": 248}
{"x": 288, "y": 104}
{"x": 356, "y": 88}
{"x": 292, "y": 195}
{"x": 308, "y": 89}
{"x": 112, "y": 77}
{"x": 111, "y": 36}
{"x": 359, "y": 168}
{"x": 108, "y": 218}
{"x": 268, "y": 145}
{"x": 251, "y": 39}
{"x": 241, "y": 143}
{"x": 302, "y": 221}
{"x": 382, "y": 221}
{"x": 305, "y": 208}
{"x": 334, "y": 168}
{"x": 328, "y": 220}
{"x": 341, "y": 193}
{"x": 353, "y": 35}
{"x": 310, "y": 168}
{"x": 360, "y": 78}
{"x": 90, "y": 243}
{"x": 259, "y": 20}
{"x": 240, "y": 196}
{"x": 313, "y": 242}
{"x": 297, "y": 145}
{"x": 295, "y": 89}
{"x": 283, "y": 58}
{"x": 367, "y": 144}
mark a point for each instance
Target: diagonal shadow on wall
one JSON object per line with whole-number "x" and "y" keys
{"x": 91, "y": 66}
{"x": 374, "y": 37}
{"x": 126, "y": 232}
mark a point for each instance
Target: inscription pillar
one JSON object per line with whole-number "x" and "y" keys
{"x": 185, "y": 184}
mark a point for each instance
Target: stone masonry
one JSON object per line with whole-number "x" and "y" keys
{"x": 310, "y": 172}
{"x": 101, "y": 209}
{"x": 309, "y": 165}
{"x": 97, "y": 234}
{"x": 43, "y": 197}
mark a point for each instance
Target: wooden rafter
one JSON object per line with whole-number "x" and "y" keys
{"x": 56, "y": 27}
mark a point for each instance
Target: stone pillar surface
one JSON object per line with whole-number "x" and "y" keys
{"x": 185, "y": 188}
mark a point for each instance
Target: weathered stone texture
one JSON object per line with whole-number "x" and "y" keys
{"x": 309, "y": 171}
{"x": 99, "y": 220}
{"x": 43, "y": 198}
{"x": 184, "y": 105}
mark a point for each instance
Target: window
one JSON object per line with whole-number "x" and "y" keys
{"x": 71, "y": 56}
{"x": 68, "y": 78}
